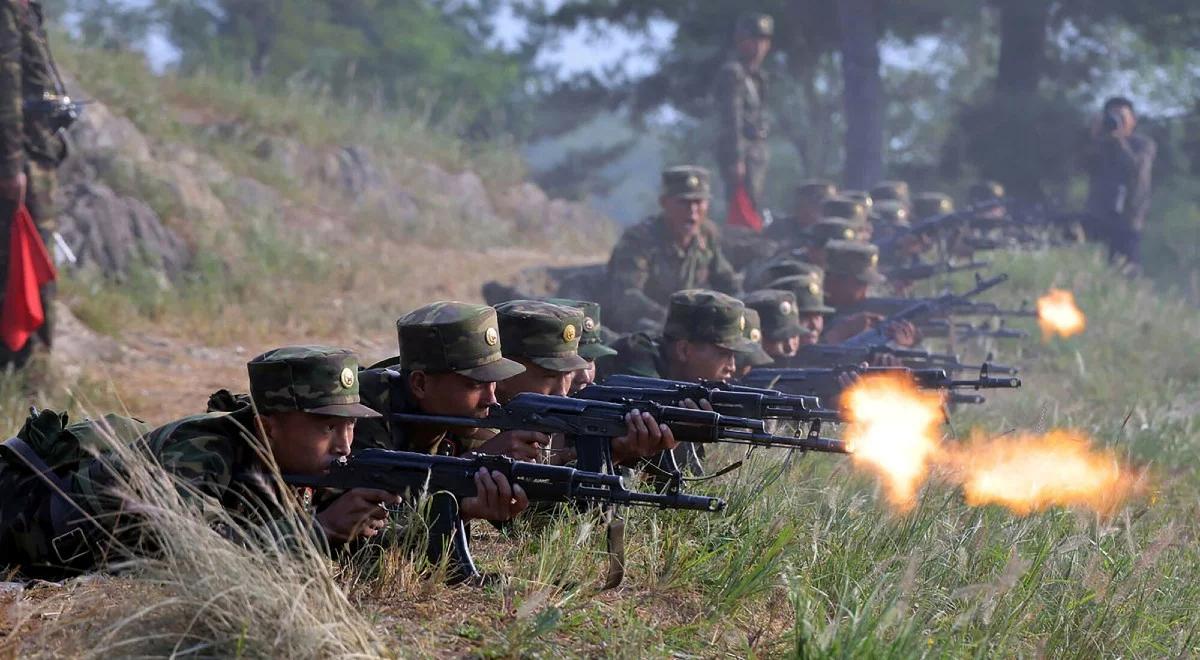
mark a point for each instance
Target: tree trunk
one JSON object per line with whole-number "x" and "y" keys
{"x": 861, "y": 24}
{"x": 1022, "y": 45}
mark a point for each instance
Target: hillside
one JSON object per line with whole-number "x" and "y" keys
{"x": 292, "y": 219}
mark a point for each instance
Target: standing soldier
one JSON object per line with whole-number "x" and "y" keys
{"x": 33, "y": 112}
{"x": 741, "y": 100}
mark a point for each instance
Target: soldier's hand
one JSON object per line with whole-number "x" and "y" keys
{"x": 519, "y": 445}
{"x": 357, "y": 512}
{"x": 495, "y": 498}
{"x": 644, "y": 437}
{"x": 13, "y": 188}
{"x": 904, "y": 333}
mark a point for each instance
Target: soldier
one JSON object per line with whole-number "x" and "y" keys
{"x": 450, "y": 361}
{"x": 893, "y": 190}
{"x": 758, "y": 357}
{"x": 741, "y": 100}
{"x": 828, "y": 229}
{"x": 848, "y": 277}
{"x": 811, "y": 310}
{"x": 991, "y": 193}
{"x": 806, "y": 212}
{"x": 544, "y": 339}
{"x": 305, "y": 403}
{"x": 853, "y": 211}
{"x": 1119, "y": 163}
{"x": 890, "y": 218}
{"x": 31, "y": 141}
{"x": 677, "y": 249}
{"x": 591, "y": 340}
{"x": 780, "y": 321}
{"x": 782, "y": 266}
{"x": 861, "y": 196}
{"x": 931, "y": 204}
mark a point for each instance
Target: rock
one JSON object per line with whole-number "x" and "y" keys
{"x": 115, "y": 233}
{"x": 293, "y": 159}
{"x": 99, "y": 130}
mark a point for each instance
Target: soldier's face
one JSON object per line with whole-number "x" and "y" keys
{"x": 537, "y": 380}
{"x": 844, "y": 290}
{"x": 581, "y": 378}
{"x": 684, "y": 216}
{"x": 304, "y": 443}
{"x": 782, "y": 348}
{"x": 702, "y": 360}
{"x": 451, "y": 394}
{"x": 754, "y": 50}
{"x": 814, "y": 324}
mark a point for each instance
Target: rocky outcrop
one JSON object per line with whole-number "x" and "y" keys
{"x": 115, "y": 233}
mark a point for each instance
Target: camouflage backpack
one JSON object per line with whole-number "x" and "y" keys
{"x": 36, "y": 466}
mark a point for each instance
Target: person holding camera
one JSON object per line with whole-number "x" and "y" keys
{"x": 1119, "y": 162}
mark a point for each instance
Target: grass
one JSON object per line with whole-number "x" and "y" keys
{"x": 809, "y": 561}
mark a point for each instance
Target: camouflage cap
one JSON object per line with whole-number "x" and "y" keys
{"x": 844, "y": 207}
{"x": 757, "y": 357}
{"x": 985, "y": 191}
{"x": 755, "y": 25}
{"x": 808, "y": 293}
{"x": 778, "y": 310}
{"x": 897, "y": 190}
{"x": 929, "y": 204}
{"x": 784, "y": 268}
{"x": 591, "y": 340}
{"x": 687, "y": 182}
{"x": 457, "y": 337}
{"x": 707, "y": 316}
{"x": 543, "y": 333}
{"x": 861, "y": 196}
{"x": 815, "y": 191}
{"x": 858, "y": 260}
{"x": 831, "y": 229}
{"x": 891, "y": 212}
{"x": 312, "y": 379}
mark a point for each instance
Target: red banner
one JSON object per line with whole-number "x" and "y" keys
{"x": 29, "y": 267}
{"x": 742, "y": 212}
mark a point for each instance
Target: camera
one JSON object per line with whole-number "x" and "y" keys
{"x": 60, "y": 111}
{"x": 1113, "y": 121}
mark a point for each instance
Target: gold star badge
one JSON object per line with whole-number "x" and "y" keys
{"x": 765, "y": 24}
{"x": 491, "y": 336}
{"x": 849, "y": 234}
{"x": 568, "y": 334}
{"x": 874, "y": 260}
{"x": 347, "y": 378}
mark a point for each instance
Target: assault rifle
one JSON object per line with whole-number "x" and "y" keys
{"x": 923, "y": 308}
{"x": 923, "y": 271}
{"x": 729, "y": 398}
{"x": 940, "y": 223}
{"x": 840, "y": 355}
{"x": 946, "y": 329}
{"x": 825, "y": 382}
{"x": 452, "y": 478}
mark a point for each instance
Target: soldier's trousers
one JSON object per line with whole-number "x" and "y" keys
{"x": 39, "y": 199}
{"x": 756, "y": 176}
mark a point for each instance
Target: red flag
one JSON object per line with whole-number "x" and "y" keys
{"x": 29, "y": 267}
{"x": 742, "y": 212}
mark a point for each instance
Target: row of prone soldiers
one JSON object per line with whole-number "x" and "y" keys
{"x": 487, "y": 408}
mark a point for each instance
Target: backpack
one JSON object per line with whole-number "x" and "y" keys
{"x": 39, "y": 522}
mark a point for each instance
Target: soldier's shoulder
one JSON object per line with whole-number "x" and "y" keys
{"x": 220, "y": 433}
{"x": 640, "y": 234}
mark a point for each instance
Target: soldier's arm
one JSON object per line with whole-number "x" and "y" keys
{"x": 628, "y": 272}
{"x": 12, "y": 129}
{"x": 730, "y": 108}
{"x": 1140, "y": 193}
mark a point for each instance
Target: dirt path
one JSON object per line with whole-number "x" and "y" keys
{"x": 162, "y": 374}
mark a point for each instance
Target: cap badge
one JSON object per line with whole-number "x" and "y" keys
{"x": 764, "y": 23}
{"x": 347, "y": 378}
{"x": 874, "y": 260}
{"x": 755, "y": 335}
{"x": 814, "y": 288}
{"x": 568, "y": 333}
{"x": 589, "y": 324}
{"x": 742, "y": 323}
{"x": 491, "y": 336}
{"x": 785, "y": 308}
{"x": 693, "y": 182}
{"x": 849, "y": 234}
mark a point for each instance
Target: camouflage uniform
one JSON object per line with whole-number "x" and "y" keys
{"x": 217, "y": 457}
{"x": 741, "y": 101}
{"x": 893, "y": 190}
{"x": 929, "y": 204}
{"x": 852, "y": 260}
{"x": 441, "y": 337}
{"x": 27, "y": 141}
{"x": 647, "y": 266}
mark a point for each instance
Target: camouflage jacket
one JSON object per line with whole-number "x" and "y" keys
{"x": 741, "y": 99}
{"x": 638, "y": 354}
{"x": 26, "y": 73}
{"x": 377, "y": 392}
{"x": 218, "y": 458}
{"x": 646, "y": 267}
